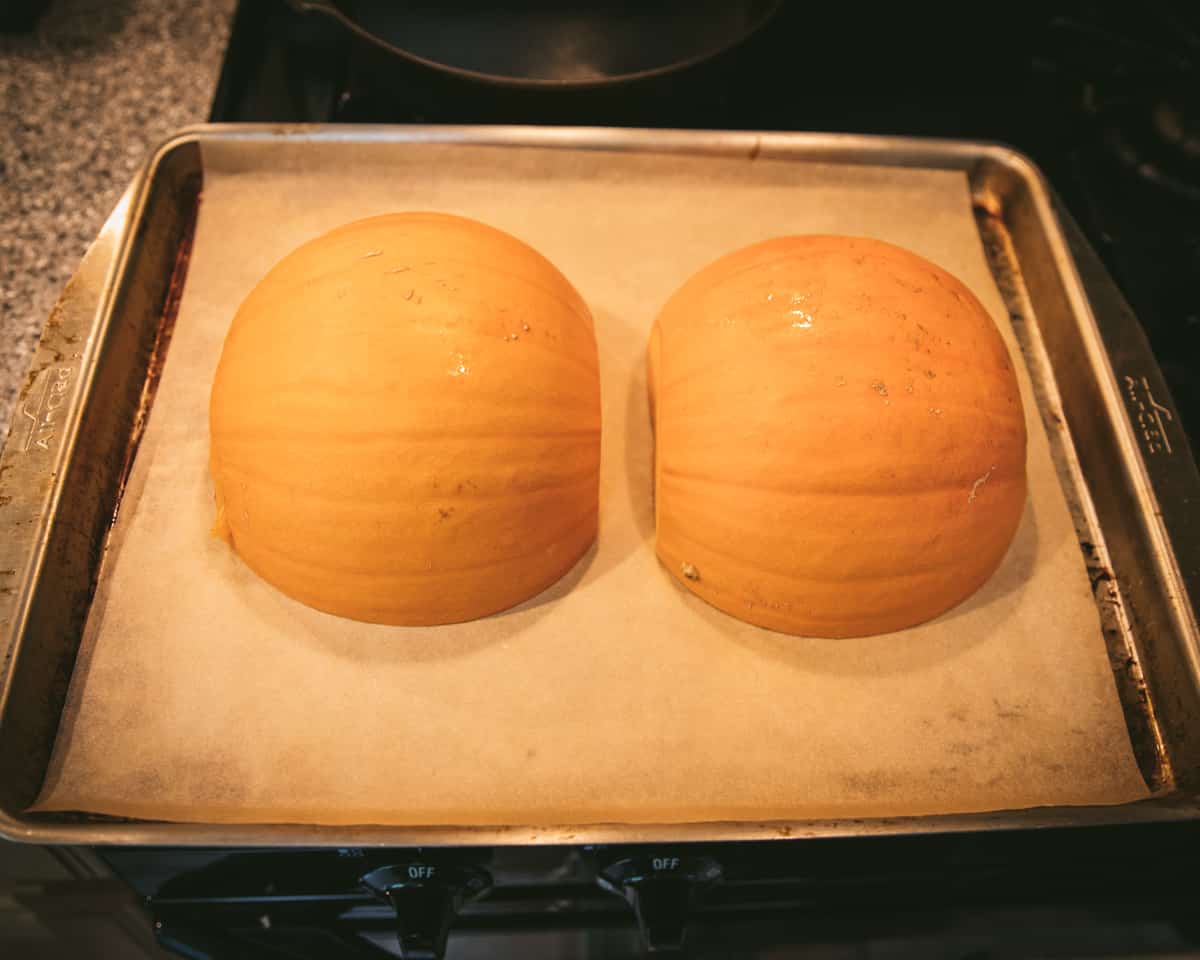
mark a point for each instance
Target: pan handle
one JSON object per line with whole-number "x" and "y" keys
{"x": 316, "y": 6}
{"x": 328, "y": 8}
{"x": 1154, "y": 417}
{"x": 46, "y": 417}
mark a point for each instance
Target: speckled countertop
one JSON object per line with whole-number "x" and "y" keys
{"x": 84, "y": 97}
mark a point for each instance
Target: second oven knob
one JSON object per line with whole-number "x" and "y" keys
{"x": 662, "y": 889}
{"x": 426, "y": 897}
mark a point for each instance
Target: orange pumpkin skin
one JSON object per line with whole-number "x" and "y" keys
{"x": 839, "y": 437}
{"x": 405, "y": 422}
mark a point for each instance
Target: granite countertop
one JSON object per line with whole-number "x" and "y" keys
{"x": 86, "y": 94}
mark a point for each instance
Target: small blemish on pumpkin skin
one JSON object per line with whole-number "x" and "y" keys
{"x": 370, "y": 253}
{"x": 445, "y": 513}
{"x": 880, "y": 388}
{"x": 979, "y": 483}
{"x": 689, "y": 571}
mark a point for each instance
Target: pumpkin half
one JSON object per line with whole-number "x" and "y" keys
{"x": 405, "y": 422}
{"x": 839, "y": 437}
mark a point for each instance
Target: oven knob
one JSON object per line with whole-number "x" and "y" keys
{"x": 662, "y": 891}
{"x": 426, "y": 897}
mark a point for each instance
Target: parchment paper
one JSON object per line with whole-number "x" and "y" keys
{"x": 203, "y": 694}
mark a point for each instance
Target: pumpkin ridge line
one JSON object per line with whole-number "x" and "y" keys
{"x": 735, "y": 560}
{"x": 1001, "y": 415}
{"x": 847, "y": 491}
{"x": 238, "y": 436}
{"x": 377, "y": 574}
{"x": 284, "y": 484}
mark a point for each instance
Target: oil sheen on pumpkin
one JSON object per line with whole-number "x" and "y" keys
{"x": 839, "y": 438}
{"x": 405, "y": 422}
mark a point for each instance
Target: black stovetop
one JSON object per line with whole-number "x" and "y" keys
{"x": 1106, "y": 102}
{"x": 1105, "y": 108}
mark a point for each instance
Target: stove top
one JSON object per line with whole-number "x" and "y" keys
{"x": 1109, "y": 109}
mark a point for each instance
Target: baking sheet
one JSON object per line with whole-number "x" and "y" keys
{"x": 202, "y": 694}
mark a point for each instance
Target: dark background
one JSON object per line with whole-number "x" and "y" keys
{"x": 1104, "y": 97}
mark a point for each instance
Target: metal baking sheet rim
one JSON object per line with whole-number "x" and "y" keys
{"x": 67, "y": 385}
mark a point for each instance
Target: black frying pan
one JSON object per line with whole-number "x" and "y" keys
{"x": 543, "y": 44}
